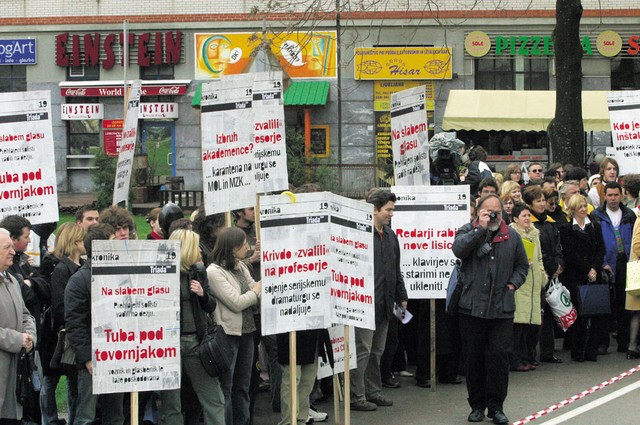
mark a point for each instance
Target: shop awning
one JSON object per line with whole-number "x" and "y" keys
{"x": 307, "y": 93}
{"x": 519, "y": 110}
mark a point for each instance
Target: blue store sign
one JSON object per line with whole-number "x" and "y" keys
{"x": 18, "y": 52}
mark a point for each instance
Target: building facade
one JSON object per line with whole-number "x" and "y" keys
{"x": 368, "y": 50}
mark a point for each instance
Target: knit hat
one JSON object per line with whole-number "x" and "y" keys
{"x": 593, "y": 177}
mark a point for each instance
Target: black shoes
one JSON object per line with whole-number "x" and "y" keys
{"x": 498, "y": 417}
{"x": 552, "y": 359}
{"x": 476, "y": 415}
{"x": 633, "y": 354}
{"x": 454, "y": 381}
{"x": 423, "y": 383}
{"x": 390, "y": 381}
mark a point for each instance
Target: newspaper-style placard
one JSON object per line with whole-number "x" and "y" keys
{"x": 135, "y": 316}
{"x": 269, "y": 139}
{"x": 28, "y": 185}
{"x": 227, "y": 147}
{"x": 425, "y": 221}
{"x": 624, "y": 114}
{"x": 352, "y": 279}
{"x": 295, "y": 262}
{"x": 128, "y": 146}
{"x": 338, "y": 343}
{"x": 409, "y": 137}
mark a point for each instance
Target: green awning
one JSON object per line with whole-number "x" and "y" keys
{"x": 307, "y": 93}
{"x": 299, "y": 93}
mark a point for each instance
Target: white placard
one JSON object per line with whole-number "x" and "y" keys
{"x": 28, "y": 185}
{"x": 338, "y": 343}
{"x": 409, "y": 137}
{"x": 81, "y": 111}
{"x": 269, "y": 139}
{"x": 352, "y": 278}
{"x": 425, "y": 221}
{"x": 128, "y": 146}
{"x": 295, "y": 262}
{"x": 227, "y": 148}
{"x": 135, "y": 316}
{"x": 624, "y": 114}
{"x": 159, "y": 110}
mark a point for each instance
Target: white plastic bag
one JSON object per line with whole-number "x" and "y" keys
{"x": 559, "y": 300}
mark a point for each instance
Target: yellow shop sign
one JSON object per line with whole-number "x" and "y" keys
{"x": 403, "y": 63}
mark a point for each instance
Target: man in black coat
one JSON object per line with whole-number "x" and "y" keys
{"x": 366, "y": 384}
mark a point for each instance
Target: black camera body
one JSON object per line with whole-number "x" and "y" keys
{"x": 493, "y": 215}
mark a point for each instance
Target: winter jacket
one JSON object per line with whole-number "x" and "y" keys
{"x": 609, "y": 233}
{"x": 549, "y": 242}
{"x": 528, "y": 296}
{"x": 388, "y": 281}
{"x": 77, "y": 313}
{"x": 230, "y": 302}
{"x": 485, "y": 276}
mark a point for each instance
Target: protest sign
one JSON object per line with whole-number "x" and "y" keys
{"x": 352, "y": 279}
{"x": 227, "y": 148}
{"x": 28, "y": 185}
{"x": 269, "y": 140}
{"x": 409, "y": 137}
{"x": 338, "y": 343}
{"x": 624, "y": 114}
{"x": 425, "y": 221}
{"x": 135, "y": 315}
{"x": 295, "y": 262}
{"x": 128, "y": 146}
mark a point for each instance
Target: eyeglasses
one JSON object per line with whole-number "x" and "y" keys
{"x": 553, "y": 203}
{"x": 537, "y": 170}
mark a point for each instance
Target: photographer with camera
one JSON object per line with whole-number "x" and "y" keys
{"x": 494, "y": 265}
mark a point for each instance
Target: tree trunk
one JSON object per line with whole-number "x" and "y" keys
{"x": 566, "y": 131}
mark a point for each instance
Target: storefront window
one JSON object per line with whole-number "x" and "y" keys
{"x": 83, "y": 73}
{"x": 625, "y": 74}
{"x": 518, "y": 73}
{"x": 157, "y": 72}
{"x": 84, "y": 137}
{"x": 13, "y": 78}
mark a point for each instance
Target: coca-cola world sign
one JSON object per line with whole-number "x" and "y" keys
{"x": 114, "y": 91}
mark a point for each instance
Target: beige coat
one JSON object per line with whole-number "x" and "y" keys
{"x": 14, "y": 321}
{"x": 633, "y": 303}
{"x": 230, "y": 302}
{"x": 528, "y": 296}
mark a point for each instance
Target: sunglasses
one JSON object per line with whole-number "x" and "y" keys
{"x": 552, "y": 203}
{"x": 537, "y": 170}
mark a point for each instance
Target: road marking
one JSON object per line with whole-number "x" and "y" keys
{"x": 576, "y": 397}
{"x": 596, "y": 403}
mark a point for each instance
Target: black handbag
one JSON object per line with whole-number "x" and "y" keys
{"x": 28, "y": 382}
{"x": 594, "y": 299}
{"x": 215, "y": 352}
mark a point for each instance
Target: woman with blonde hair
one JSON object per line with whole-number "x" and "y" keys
{"x": 513, "y": 189}
{"x": 68, "y": 253}
{"x": 196, "y": 301}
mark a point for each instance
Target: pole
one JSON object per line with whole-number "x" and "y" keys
{"x": 347, "y": 376}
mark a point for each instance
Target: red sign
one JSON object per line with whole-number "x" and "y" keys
{"x": 115, "y": 91}
{"x": 112, "y": 136}
{"x": 147, "y": 54}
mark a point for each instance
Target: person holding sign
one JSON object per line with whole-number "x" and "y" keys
{"x": 366, "y": 382}
{"x": 494, "y": 265}
{"x": 527, "y": 317}
{"x": 195, "y": 301}
{"x": 236, "y": 293}
{"x": 77, "y": 319}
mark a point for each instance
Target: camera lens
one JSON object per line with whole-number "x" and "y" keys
{"x": 493, "y": 215}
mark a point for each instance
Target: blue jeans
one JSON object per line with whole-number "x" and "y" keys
{"x": 48, "y": 398}
{"x": 235, "y": 382}
{"x": 111, "y": 404}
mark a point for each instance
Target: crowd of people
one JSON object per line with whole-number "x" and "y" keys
{"x": 570, "y": 226}
{"x": 527, "y": 226}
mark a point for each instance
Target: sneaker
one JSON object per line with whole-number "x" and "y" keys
{"x": 405, "y": 374}
{"x": 317, "y": 416}
{"x": 380, "y": 401}
{"x": 363, "y": 406}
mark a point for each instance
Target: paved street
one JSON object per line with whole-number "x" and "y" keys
{"x": 529, "y": 392}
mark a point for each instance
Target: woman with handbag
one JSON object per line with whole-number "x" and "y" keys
{"x": 632, "y": 303}
{"x": 236, "y": 293}
{"x": 68, "y": 251}
{"x": 527, "y": 317}
{"x": 583, "y": 250}
{"x": 195, "y": 302}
